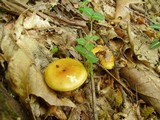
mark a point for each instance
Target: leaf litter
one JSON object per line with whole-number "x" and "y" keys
{"x": 30, "y": 30}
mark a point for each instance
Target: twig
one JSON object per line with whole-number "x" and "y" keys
{"x": 118, "y": 80}
{"x": 18, "y": 8}
{"x": 93, "y": 94}
{"x": 137, "y": 8}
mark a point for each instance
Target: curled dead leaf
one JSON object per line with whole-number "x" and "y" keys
{"x": 57, "y": 112}
{"x": 26, "y": 58}
{"x": 145, "y": 82}
{"x": 122, "y": 8}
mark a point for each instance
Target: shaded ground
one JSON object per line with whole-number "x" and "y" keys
{"x": 35, "y": 33}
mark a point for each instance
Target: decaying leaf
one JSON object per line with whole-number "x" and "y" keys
{"x": 26, "y": 59}
{"x": 57, "y": 112}
{"x": 35, "y": 22}
{"x": 146, "y": 111}
{"x": 122, "y": 8}
{"x": 144, "y": 81}
{"x": 141, "y": 48}
{"x": 103, "y": 7}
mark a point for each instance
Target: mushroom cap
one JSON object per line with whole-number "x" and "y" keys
{"x": 65, "y": 74}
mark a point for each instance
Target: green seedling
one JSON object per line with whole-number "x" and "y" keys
{"x": 90, "y": 12}
{"x": 84, "y": 47}
{"x": 155, "y": 26}
{"x": 54, "y": 50}
{"x": 156, "y": 42}
{"x": 87, "y": 54}
{"x": 86, "y": 44}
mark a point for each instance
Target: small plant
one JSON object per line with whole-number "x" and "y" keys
{"x": 155, "y": 44}
{"x": 54, "y": 50}
{"x": 86, "y": 44}
{"x": 155, "y": 26}
{"x": 84, "y": 47}
{"x": 156, "y": 41}
{"x": 93, "y": 15}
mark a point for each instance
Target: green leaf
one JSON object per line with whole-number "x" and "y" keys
{"x": 81, "y": 50}
{"x": 91, "y": 57}
{"x": 87, "y": 54}
{"x": 87, "y": 11}
{"x": 54, "y": 50}
{"x": 97, "y": 16}
{"x": 155, "y": 44}
{"x": 155, "y": 26}
{"x": 88, "y": 38}
{"x": 95, "y": 37}
{"x": 81, "y": 41}
{"x": 89, "y": 46}
{"x": 84, "y": 3}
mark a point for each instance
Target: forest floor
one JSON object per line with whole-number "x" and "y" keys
{"x": 117, "y": 42}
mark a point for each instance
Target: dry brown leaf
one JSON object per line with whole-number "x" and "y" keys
{"x": 57, "y": 112}
{"x": 102, "y": 6}
{"x": 24, "y": 2}
{"x": 140, "y": 46}
{"x": 37, "y": 109}
{"x": 26, "y": 59}
{"x": 43, "y": 5}
{"x": 122, "y": 8}
{"x": 26, "y": 75}
{"x": 144, "y": 81}
{"x": 35, "y": 22}
{"x": 119, "y": 32}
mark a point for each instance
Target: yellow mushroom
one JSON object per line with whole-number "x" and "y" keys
{"x": 105, "y": 56}
{"x": 65, "y": 74}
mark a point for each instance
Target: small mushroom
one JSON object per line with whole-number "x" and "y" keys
{"x": 65, "y": 74}
{"x": 105, "y": 56}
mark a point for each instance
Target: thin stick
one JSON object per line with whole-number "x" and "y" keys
{"x": 93, "y": 94}
{"x": 18, "y": 8}
{"x": 118, "y": 80}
